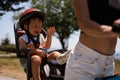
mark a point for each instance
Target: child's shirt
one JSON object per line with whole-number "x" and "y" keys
{"x": 41, "y": 38}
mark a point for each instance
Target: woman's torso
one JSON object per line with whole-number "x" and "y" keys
{"x": 101, "y": 12}
{"x": 103, "y": 45}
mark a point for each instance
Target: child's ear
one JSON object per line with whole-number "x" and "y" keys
{"x": 25, "y": 27}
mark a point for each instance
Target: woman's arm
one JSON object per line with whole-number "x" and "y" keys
{"x": 86, "y": 24}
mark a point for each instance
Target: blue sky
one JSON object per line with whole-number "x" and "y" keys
{"x": 6, "y": 30}
{"x": 6, "y": 27}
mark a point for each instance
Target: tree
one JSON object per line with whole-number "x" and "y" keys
{"x": 59, "y": 13}
{"x": 5, "y": 41}
{"x": 6, "y": 45}
{"x": 8, "y": 5}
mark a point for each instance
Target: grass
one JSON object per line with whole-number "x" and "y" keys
{"x": 11, "y": 67}
{"x": 117, "y": 66}
{"x": 9, "y": 61}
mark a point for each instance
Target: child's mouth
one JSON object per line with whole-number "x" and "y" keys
{"x": 36, "y": 32}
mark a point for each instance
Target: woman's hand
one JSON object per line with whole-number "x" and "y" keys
{"x": 117, "y": 22}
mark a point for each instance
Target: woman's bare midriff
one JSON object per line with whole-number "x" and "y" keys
{"x": 105, "y": 46}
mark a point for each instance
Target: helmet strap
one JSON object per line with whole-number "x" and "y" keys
{"x": 31, "y": 37}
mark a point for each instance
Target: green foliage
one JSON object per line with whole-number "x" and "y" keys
{"x": 5, "y": 41}
{"x": 117, "y": 66}
{"x": 7, "y": 46}
{"x": 8, "y": 5}
{"x": 59, "y": 13}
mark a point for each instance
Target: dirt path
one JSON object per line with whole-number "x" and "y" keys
{"x": 6, "y": 78}
{"x": 12, "y": 72}
{"x": 11, "y": 67}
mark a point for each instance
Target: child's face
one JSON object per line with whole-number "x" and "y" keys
{"x": 35, "y": 26}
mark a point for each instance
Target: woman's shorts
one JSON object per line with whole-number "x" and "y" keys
{"x": 87, "y": 64}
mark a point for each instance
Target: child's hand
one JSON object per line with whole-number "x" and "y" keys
{"x": 38, "y": 52}
{"x": 51, "y": 30}
{"x": 30, "y": 46}
{"x": 42, "y": 45}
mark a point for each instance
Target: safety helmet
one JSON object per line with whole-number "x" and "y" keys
{"x": 27, "y": 15}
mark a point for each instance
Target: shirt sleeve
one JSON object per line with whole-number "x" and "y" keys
{"x": 42, "y": 38}
{"x": 24, "y": 37}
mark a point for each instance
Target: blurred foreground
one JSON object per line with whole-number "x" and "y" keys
{"x": 11, "y": 67}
